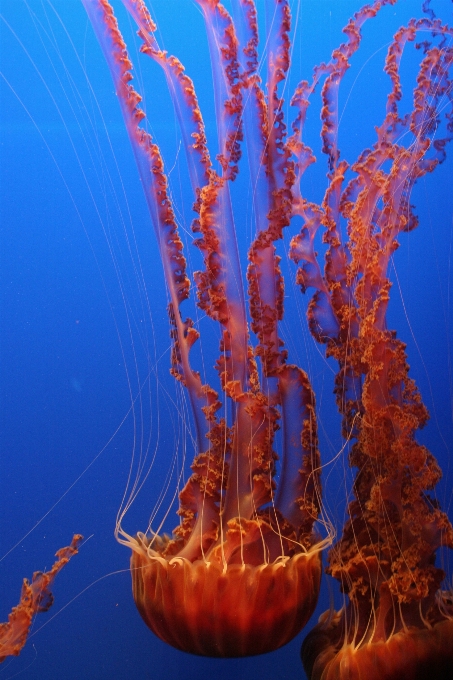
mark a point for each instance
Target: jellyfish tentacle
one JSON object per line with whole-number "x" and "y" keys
{"x": 35, "y": 597}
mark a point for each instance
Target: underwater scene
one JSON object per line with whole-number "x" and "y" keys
{"x": 226, "y": 330}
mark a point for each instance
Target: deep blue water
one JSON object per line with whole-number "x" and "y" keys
{"x": 83, "y": 319}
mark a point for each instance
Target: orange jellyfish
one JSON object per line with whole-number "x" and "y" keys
{"x": 241, "y": 573}
{"x": 35, "y": 597}
{"x": 399, "y": 621}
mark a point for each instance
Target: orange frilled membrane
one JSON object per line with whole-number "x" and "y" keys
{"x": 36, "y": 597}
{"x": 233, "y": 610}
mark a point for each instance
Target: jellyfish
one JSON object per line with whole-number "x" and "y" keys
{"x": 398, "y": 621}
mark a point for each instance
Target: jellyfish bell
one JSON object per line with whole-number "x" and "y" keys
{"x": 243, "y": 609}
{"x": 417, "y": 653}
{"x": 245, "y": 587}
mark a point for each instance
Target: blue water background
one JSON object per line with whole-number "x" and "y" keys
{"x": 85, "y": 386}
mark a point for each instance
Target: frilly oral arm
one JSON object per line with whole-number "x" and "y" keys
{"x": 271, "y": 174}
{"x": 155, "y": 185}
{"x": 35, "y": 597}
{"x": 183, "y": 94}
